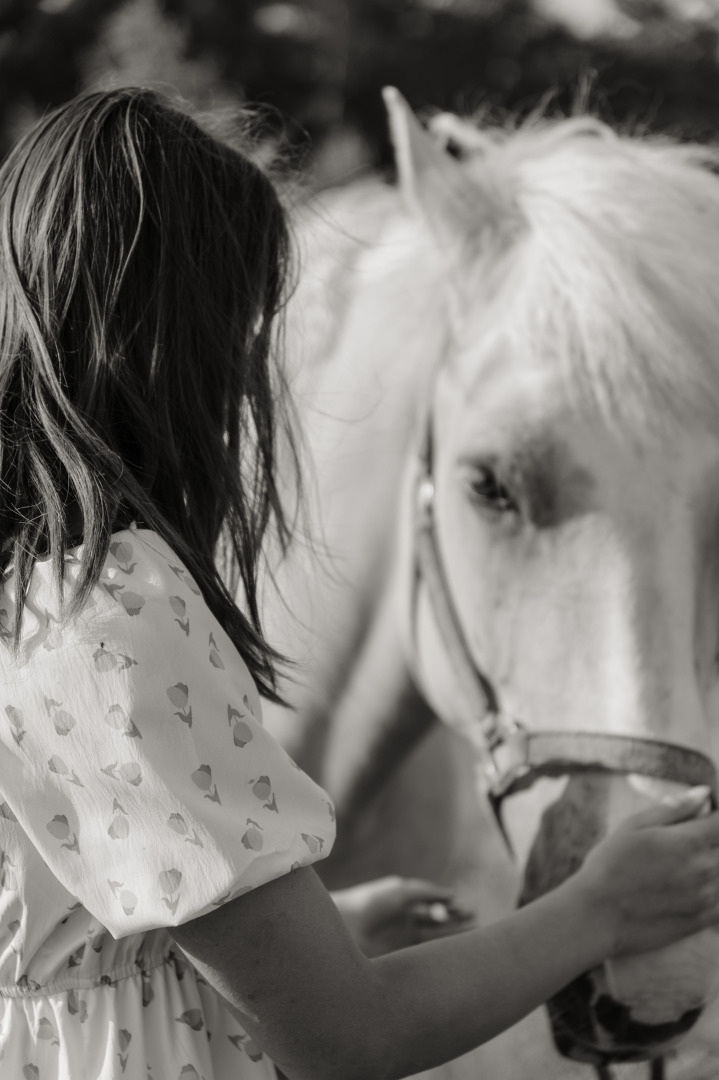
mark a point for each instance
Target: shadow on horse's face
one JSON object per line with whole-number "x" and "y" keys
{"x": 585, "y": 572}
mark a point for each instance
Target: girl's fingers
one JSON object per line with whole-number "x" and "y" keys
{"x": 425, "y": 901}
{"x": 696, "y": 921}
{"x": 434, "y": 905}
{"x": 394, "y": 896}
{"x": 396, "y": 893}
{"x": 440, "y": 914}
{"x": 684, "y": 807}
{"x": 699, "y": 891}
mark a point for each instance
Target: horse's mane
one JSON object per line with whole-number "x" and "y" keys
{"x": 610, "y": 248}
{"x": 333, "y": 233}
{"x": 596, "y": 249}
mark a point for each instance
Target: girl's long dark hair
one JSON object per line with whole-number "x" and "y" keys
{"x": 142, "y": 264}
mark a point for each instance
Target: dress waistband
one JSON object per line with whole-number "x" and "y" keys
{"x": 28, "y": 988}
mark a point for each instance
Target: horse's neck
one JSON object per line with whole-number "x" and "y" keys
{"x": 368, "y": 309}
{"x": 361, "y": 383}
{"x": 365, "y": 332}
{"x": 333, "y": 233}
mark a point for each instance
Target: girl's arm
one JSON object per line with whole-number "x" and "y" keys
{"x": 283, "y": 959}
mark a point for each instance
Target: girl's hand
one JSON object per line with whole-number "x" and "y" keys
{"x": 393, "y": 912}
{"x": 656, "y": 878}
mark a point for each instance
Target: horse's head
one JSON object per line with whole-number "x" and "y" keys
{"x": 575, "y": 466}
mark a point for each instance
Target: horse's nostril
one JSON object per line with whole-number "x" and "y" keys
{"x": 616, "y": 1019}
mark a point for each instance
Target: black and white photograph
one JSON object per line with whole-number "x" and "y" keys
{"x": 359, "y": 539}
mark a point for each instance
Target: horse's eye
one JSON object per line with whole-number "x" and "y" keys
{"x": 489, "y": 491}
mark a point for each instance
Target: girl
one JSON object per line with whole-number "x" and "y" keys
{"x": 145, "y": 816}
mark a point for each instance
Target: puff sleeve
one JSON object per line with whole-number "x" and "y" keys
{"x": 137, "y": 761}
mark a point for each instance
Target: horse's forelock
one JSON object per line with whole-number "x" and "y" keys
{"x": 612, "y": 247}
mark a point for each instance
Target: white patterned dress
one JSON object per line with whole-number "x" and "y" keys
{"x": 138, "y": 789}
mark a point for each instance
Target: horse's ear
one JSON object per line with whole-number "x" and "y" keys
{"x": 432, "y": 182}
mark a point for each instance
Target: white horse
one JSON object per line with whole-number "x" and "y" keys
{"x": 543, "y": 307}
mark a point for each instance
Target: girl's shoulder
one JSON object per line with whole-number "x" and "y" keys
{"x": 141, "y": 565}
{"x": 144, "y": 599}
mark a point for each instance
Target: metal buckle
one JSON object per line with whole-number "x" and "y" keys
{"x": 506, "y": 757}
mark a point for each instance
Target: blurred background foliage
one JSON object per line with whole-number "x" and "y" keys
{"x": 319, "y": 64}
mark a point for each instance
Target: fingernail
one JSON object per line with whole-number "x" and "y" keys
{"x": 439, "y": 912}
{"x": 435, "y": 912}
{"x": 697, "y": 794}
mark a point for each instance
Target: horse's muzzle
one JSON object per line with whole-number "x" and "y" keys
{"x": 588, "y": 1023}
{"x": 590, "y": 1026}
